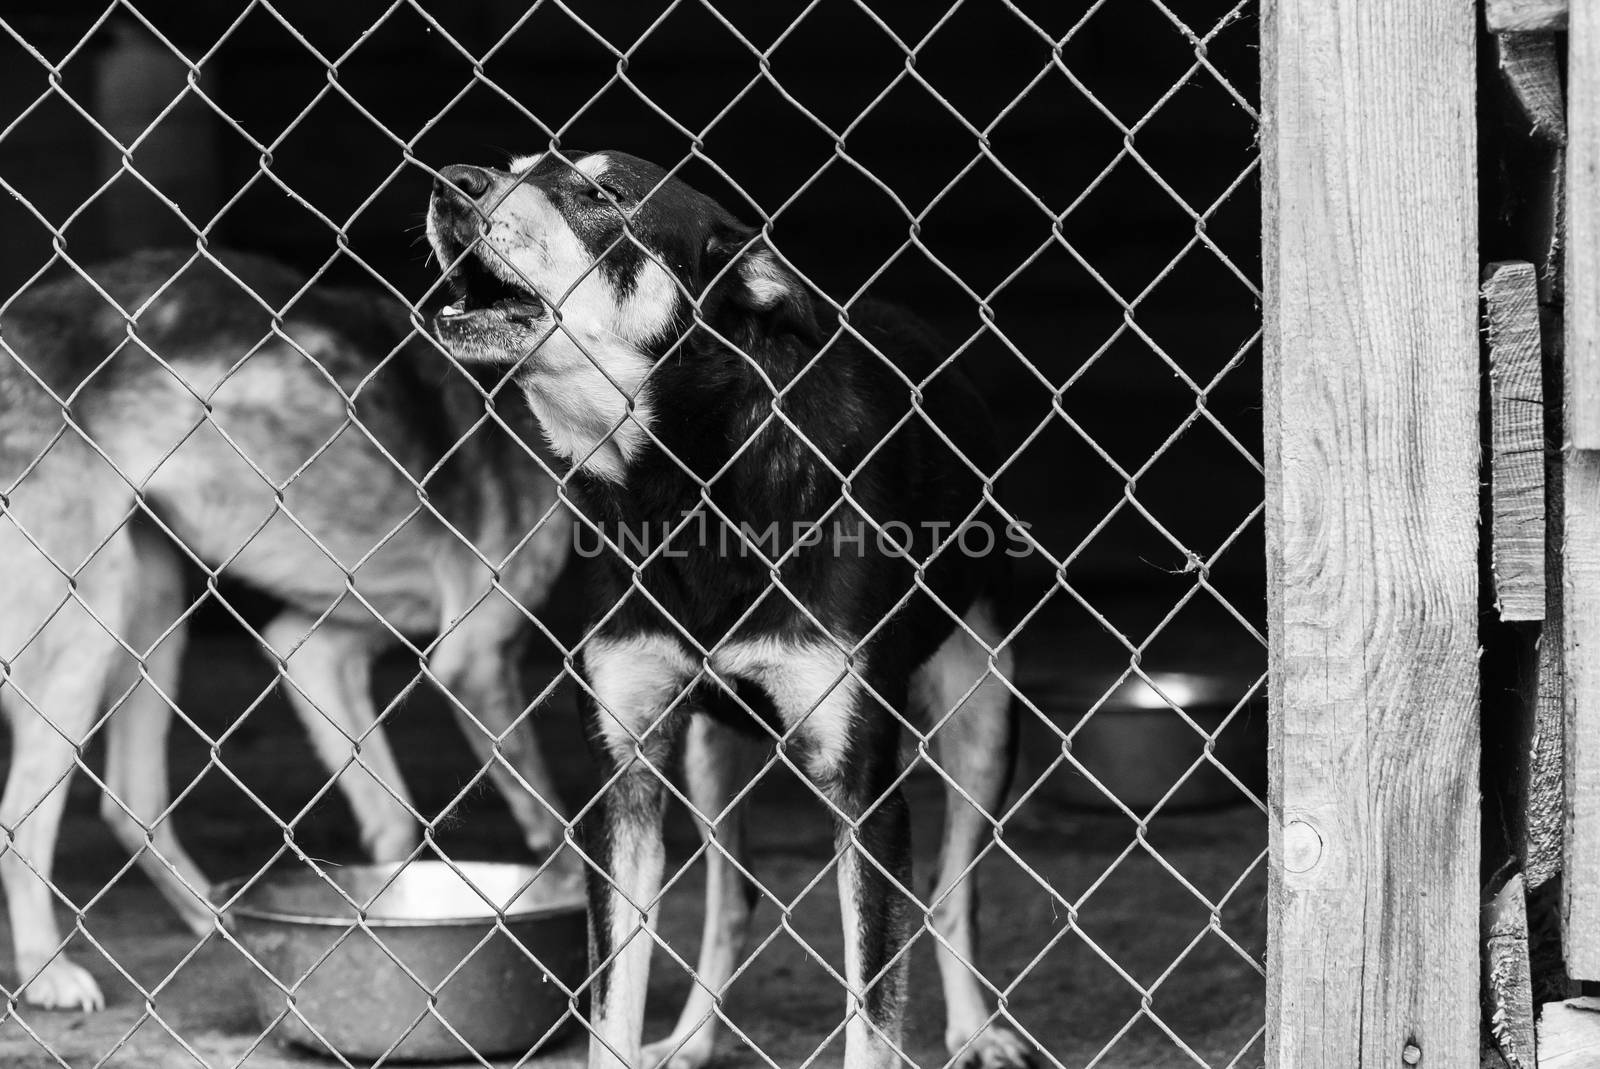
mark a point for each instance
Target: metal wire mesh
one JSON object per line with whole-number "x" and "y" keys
{"x": 1190, "y": 610}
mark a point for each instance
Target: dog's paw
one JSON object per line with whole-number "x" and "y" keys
{"x": 671, "y": 1053}
{"x": 61, "y": 985}
{"x": 997, "y": 1048}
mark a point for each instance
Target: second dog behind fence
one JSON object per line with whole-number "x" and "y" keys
{"x": 300, "y": 440}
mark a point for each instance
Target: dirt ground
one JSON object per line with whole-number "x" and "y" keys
{"x": 1132, "y": 908}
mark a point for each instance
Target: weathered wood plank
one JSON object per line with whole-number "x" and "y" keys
{"x": 1583, "y": 227}
{"x": 1371, "y": 430}
{"x": 1569, "y": 1034}
{"x": 1531, "y": 66}
{"x": 1581, "y": 598}
{"x": 1507, "y": 979}
{"x": 1543, "y": 786}
{"x": 1516, "y": 439}
{"x": 1581, "y": 490}
{"x": 1514, "y": 16}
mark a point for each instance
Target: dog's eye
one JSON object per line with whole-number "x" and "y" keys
{"x": 604, "y": 193}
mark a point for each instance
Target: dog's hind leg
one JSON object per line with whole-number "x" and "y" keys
{"x": 53, "y": 684}
{"x": 713, "y": 774}
{"x": 873, "y": 842}
{"x": 973, "y": 738}
{"x": 135, "y": 805}
{"x": 329, "y": 670}
{"x": 47, "y": 730}
{"x": 847, "y": 743}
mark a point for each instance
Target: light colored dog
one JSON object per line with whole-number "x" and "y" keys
{"x": 299, "y": 439}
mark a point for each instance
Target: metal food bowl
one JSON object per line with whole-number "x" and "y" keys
{"x": 354, "y": 997}
{"x": 1138, "y": 746}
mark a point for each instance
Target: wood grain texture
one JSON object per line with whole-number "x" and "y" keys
{"x": 1516, "y": 439}
{"x": 1504, "y": 16}
{"x": 1371, "y": 435}
{"x": 1583, "y": 228}
{"x": 1581, "y": 492}
{"x": 1542, "y": 787}
{"x": 1569, "y": 1034}
{"x": 1507, "y": 979}
{"x": 1581, "y": 602}
{"x": 1531, "y": 65}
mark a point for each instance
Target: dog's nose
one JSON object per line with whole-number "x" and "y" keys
{"x": 472, "y": 181}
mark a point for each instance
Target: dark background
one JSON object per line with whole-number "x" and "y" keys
{"x": 1028, "y": 256}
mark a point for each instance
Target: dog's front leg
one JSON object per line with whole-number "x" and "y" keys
{"x": 630, "y": 713}
{"x": 623, "y": 839}
{"x": 328, "y": 677}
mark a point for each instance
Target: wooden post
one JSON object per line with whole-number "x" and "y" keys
{"x": 1371, "y": 434}
{"x": 1581, "y": 467}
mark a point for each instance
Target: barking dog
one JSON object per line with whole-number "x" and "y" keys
{"x": 686, "y": 373}
{"x": 209, "y": 405}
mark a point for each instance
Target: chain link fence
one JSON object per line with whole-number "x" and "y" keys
{"x": 245, "y": 490}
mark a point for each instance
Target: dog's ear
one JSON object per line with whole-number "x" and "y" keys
{"x": 758, "y": 284}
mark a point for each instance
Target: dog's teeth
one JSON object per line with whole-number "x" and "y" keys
{"x": 453, "y": 309}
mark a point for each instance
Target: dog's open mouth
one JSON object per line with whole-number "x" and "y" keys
{"x": 478, "y": 290}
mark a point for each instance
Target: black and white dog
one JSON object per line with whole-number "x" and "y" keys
{"x": 784, "y": 490}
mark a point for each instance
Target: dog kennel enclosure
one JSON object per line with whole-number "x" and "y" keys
{"x": 1216, "y": 267}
